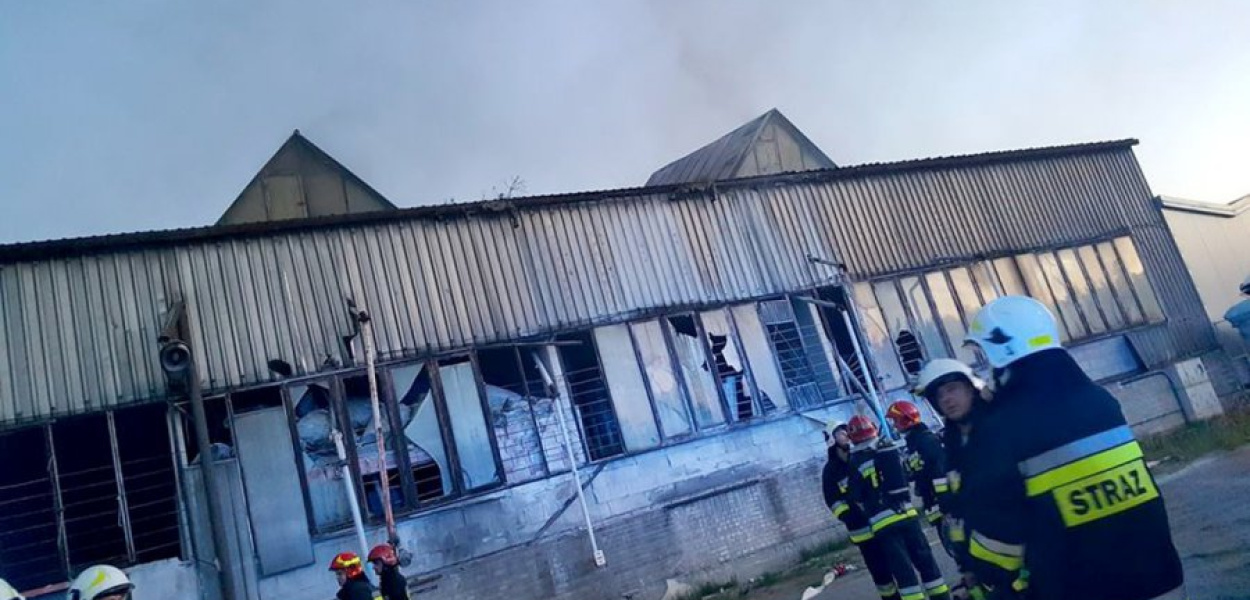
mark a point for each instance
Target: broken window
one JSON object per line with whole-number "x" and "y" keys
{"x": 469, "y": 428}
{"x": 670, "y": 405}
{"x": 948, "y": 316}
{"x": 29, "y": 529}
{"x": 803, "y": 352}
{"x": 733, "y": 371}
{"x": 898, "y": 327}
{"x": 147, "y": 469}
{"x": 358, "y": 404}
{"x": 928, "y": 329}
{"x": 879, "y": 341}
{"x": 316, "y": 421}
{"x": 754, "y": 338}
{"x": 696, "y": 370}
{"x": 423, "y": 434}
{"x": 1081, "y": 291}
{"x": 217, "y": 421}
{"x": 627, "y": 388}
{"x": 589, "y": 394}
{"x": 509, "y": 379}
{"x": 89, "y": 493}
{"x": 87, "y": 490}
{"x": 1137, "y": 278}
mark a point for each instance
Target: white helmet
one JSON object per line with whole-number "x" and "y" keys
{"x": 940, "y": 368}
{"x": 1013, "y": 327}
{"x": 7, "y": 592}
{"x": 99, "y": 581}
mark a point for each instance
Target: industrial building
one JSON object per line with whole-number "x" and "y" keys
{"x": 690, "y": 337}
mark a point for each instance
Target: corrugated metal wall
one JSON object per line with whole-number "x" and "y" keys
{"x": 78, "y": 334}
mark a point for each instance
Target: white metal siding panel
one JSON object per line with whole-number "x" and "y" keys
{"x": 79, "y": 333}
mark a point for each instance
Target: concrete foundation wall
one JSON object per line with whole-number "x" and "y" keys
{"x": 739, "y": 503}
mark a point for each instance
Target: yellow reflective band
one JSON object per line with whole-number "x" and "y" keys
{"x": 941, "y": 488}
{"x": 941, "y": 588}
{"x": 956, "y": 530}
{"x": 887, "y": 590}
{"x": 840, "y": 508}
{"x": 934, "y": 517}
{"x": 1075, "y": 450}
{"x": 1020, "y": 584}
{"x": 1082, "y": 469}
{"x": 1104, "y": 494}
{"x": 955, "y": 479}
{"x": 888, "y": 517}
{"x": 860, "y": 536}
{"x": 1041, "y": 340}
{"x": 912, "y": 593}
{"x": 1006, "y": 556}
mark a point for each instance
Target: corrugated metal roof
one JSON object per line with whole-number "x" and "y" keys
{"x": 79, "y": 318}
{"x": 722, "y": 159}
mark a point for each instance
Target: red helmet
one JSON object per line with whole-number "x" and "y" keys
{"x": 384, "y": 553}
{"x": 903, "y": 415}
{"x": 861, "y": 429}
{"x": 349, "y": 563}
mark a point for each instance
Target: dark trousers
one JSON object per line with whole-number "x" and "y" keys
{"x": 907, "y": 551}
{"x": 879, "y": 568}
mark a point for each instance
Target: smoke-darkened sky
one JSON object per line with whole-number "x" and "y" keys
{"x": 145, "y": 114}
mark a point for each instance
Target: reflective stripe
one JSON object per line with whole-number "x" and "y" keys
{"x": 843, "y": 484}
{"x": 867, "y": 468}
{"x": 934, "y": 588}
{"x": 934, "y": 516}
{"x": 1020, "y": 584}
{"x": 955, "y": 528}
{"x": 912, "y": 593}
{"x": 1002, "y": 554}
{"x": 859, "y": 536}
{"x": 956, "y": 479}
{"x": 1090, "y": 465}
{"x": 1075, "y": 450}
{"x": 839, "y": 508}
{"x": 888, "y": 517}
{"x": 885, "y": 591}
{"x": 941, "y": 485}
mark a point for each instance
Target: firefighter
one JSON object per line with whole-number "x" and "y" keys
{"x": 957, "y": 394}
{"x": 834, "y": 482}
{"x": 101, "y": 582}
{"x": 7, "y": 592}
{"x": 392, "y": 583}
{"x": 1054, "y": 481}
{"x": 878, "y": 485}
{"x": 925, "y": 460}
{"x": 353, "y": 583}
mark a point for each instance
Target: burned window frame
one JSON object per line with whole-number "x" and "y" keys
{"x": 124, "y": 491}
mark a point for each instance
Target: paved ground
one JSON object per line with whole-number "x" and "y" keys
{"x": 1209, "y": 504}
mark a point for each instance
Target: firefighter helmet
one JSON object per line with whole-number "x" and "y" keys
{"x": 1013, "y": 327}
{"x": 903, "y": 415}
{"x": 347, "y": 563}
{"x": 942, "y": 370}
{"x": 384, "y": 553}
{"x": 861, "y": 429}
{"x": 7, "y": 592}
{"x": 100, "y": 581}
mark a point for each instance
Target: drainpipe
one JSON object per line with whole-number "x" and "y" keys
{"x": 212, "y": 491}
{"x": 352, "y": 503}
{"x": 600, "y": 559}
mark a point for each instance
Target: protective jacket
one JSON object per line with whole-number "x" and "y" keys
{"x": 356, "y": 588}
{"x": 1052, "y": 480}
{"x": 926, "y": 467}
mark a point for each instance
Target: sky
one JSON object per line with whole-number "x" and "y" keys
{"x": 154, "y": 114}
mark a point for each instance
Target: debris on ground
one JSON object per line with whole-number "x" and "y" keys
{"x": 838, "y": 570}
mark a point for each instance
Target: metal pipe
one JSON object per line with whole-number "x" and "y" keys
{"x": 600, "y": 559}
{"x": 868, "y": 376}
{"x": 352, "y": 502}
{"x": 216, "y": 511}
{"x": 123, "y": 505}
{"x": 384, "y": 485}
